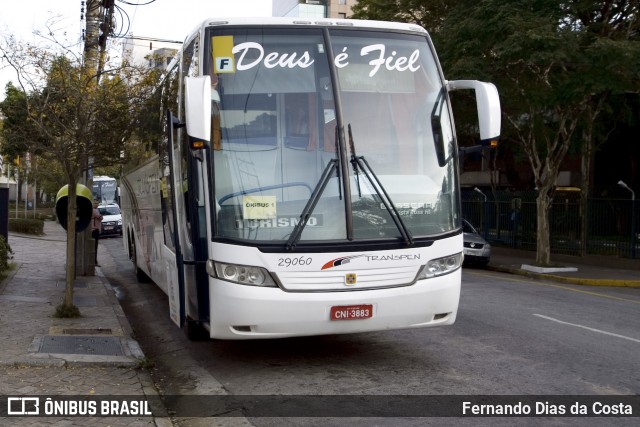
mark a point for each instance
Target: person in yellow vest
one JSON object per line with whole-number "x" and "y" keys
{"x": 96, "y": 225}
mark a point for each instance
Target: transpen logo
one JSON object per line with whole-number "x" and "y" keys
{"x": 339, "y": 261}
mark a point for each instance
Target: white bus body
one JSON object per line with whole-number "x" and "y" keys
{"x": 307, "y": 182}
{"x": 105, "y": 189}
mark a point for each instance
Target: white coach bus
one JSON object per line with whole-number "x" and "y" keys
{"x": 306, "y": 182}
{"x": 105, "y": 189}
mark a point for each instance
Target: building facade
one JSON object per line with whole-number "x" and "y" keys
{"x": 149, "y": 53}
{"x": 340, "y": 9}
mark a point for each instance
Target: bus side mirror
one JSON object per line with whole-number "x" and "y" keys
{"x": 198, "y": 110}
{"x": 488, "y": 104}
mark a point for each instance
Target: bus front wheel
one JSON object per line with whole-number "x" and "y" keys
{"x": 141, "y": 276}
{"x": 195, "y": 331}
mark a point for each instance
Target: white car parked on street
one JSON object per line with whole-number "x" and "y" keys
{"x": 111, "y": 219}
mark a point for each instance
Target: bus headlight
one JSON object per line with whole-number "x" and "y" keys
{"x": 440, "y": 266}
{"x": 242, "y": 274}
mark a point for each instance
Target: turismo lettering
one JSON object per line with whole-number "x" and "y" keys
{"x": 280, "y": 222}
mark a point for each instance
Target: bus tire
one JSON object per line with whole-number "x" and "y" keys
{"x": 195, "y": 331}
{"x": 141, "y": 276}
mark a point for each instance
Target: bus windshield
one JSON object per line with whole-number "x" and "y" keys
{"x": 298, "y": 112}
{"x": 105, "y": 189}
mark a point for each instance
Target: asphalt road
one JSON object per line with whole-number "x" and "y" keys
{"x": 513, "y": 336}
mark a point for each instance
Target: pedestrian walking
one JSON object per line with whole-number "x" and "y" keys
{"x": 96, "y": 224}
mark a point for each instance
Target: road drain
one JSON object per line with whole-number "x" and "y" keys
{"x": 92, "y": 345}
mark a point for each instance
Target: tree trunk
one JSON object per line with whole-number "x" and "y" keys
{"x": 588, "y": 152}
{"x": 585, "y": 179}
{"x": 543, "y": 252}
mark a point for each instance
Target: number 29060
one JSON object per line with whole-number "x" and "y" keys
{"x": 288, "y": 262}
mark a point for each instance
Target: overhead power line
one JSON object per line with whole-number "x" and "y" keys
{"x": 152, "y": 39}
{"x": 137, "y": 4}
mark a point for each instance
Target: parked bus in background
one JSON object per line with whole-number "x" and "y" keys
{"x": 307, "y": 182}
{"x": 105, "y": 190}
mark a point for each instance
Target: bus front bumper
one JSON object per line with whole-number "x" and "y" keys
{"x": 248, "y": 312}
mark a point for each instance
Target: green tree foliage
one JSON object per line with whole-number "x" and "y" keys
{"x": 17, "y": 130}
{"x": 429, "y": 14}
{"x": 612, "y": 30}
{"x": 147, "y": 130}
{"x": 70, "y": 116}
{"x": 555, "y": 64}
{"x": 553, "y": 72}
{"x": 17, "y": 136}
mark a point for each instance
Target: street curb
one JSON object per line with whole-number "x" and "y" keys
{"x": 119, "y": 312}
{"x": 567, "y": 280}
{"x": 35, "y": 237}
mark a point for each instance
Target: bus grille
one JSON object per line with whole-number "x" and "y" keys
{"x": 304, "y": 281}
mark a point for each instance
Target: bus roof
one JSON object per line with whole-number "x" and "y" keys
{"x": 321, "y": 22}
{"x": 103, "y": 178}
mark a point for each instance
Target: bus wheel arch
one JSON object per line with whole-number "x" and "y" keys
{"x": 195, "y": 331}
{"x": 141, "y": 276}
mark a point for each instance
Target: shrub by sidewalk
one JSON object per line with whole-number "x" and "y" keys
{"x": 5, "y": 256}
{"x": 26, "y": 226}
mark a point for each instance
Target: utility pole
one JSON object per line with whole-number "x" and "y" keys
{"x": 105, "y": 29}
{"x": 95, "y": 38}
{"x": 92, "y": 33}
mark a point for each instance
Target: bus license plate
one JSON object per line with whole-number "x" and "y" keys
{"x": 352, "y": 312}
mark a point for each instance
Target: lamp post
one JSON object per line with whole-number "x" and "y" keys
{"x": 633, "y": 217}
{"x": 484, "y": 212}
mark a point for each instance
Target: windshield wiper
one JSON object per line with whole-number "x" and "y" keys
{"x": 354, "y": 162}
{"x": 311, "y": 203}
{"x": 359, "y": 163}
{"x": 334, "y": 164}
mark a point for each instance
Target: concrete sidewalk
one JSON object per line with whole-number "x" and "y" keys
{"x": 93, "y": 355}
{"x": 591, "y": 270}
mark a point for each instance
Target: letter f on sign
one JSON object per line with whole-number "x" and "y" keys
{"x": 222, "y": 51}
{"x": 224, "y": 65}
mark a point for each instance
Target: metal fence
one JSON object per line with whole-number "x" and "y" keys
{"x": 506, "y": 219}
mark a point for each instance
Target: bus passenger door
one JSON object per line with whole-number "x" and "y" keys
{"x": 171, "y": 250}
